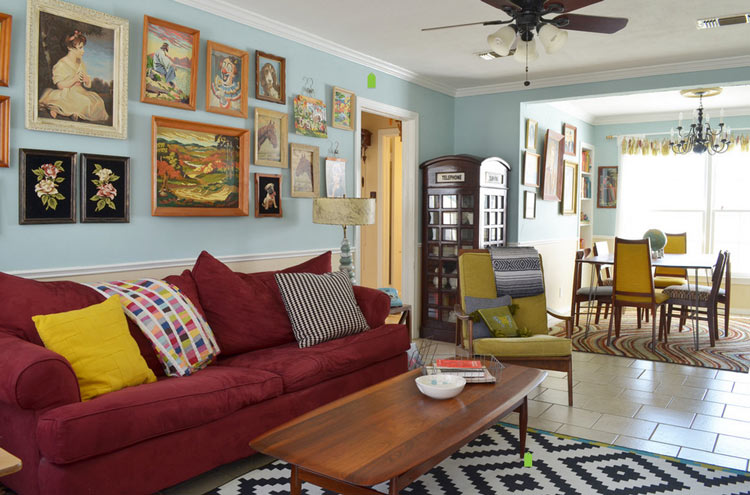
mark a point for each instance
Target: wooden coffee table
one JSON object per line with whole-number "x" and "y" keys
{"x": 9, "y": 463}
{"x": 391, "y": 432}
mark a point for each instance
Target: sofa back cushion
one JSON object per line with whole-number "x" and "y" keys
{"x": 246, "y": 311}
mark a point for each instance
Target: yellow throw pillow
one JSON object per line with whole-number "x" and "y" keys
{"x": 98, "y": 345}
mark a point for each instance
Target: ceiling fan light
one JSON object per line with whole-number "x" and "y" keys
{"x": 501, "y": 40}
{"x": 522, "y": 48}
{"x": 552, "y": 37}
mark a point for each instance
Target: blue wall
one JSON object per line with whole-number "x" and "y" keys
{"x": 148, "y": 238}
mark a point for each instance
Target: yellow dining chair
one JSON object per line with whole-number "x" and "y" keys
{"x": 476, "y": 278}
{"x": 633, "y": 284}
{"x": 665, "y": 276}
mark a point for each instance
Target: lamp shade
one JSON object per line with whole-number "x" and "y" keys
{"x": 344, "y": 211}
{"x": 501, "y": 40}
{"x": 522, "y": 47}
{"x": 552, "y": 37}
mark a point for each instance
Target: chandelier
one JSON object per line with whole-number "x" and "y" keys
{"x": 700, "y": 137}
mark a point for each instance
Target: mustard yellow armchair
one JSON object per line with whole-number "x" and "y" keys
{"x": 540, "y": 350}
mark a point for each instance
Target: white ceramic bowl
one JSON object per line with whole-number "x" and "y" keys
{"x": 440, "y": 386}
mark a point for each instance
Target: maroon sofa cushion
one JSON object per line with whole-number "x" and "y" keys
{"x": 186, "y": 283}
{"x": 302, "y": 368}
{"x": 116, "y": 420}
{"x": 245, "y": 311}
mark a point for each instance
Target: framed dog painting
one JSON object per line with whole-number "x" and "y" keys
{"x": 267, "y": 195}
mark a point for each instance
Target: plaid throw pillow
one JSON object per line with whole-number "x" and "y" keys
{"x": 320, "y": 307}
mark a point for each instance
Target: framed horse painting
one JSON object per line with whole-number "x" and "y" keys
{"x": 271, "y": 135}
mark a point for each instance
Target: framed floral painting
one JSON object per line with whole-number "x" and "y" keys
{"x": 6, "y": 23}
{"x": 344, "y": 106}
{"x": 105, "y": 189}
{"x": 310, "y": 117}
{"x": 270, "y": 77}
{"x": 47, "y": 186}
{"x": 4, "y": 131}
{"x": 169, "y": 67}
{"x": 199, "y": 169}
{"x": 226, "y": 80}
{"x": 267, "y": 195}
{"x": 271, "y": 138}
{"x": 76, "y": 70}
{"x": 304, "y": 170}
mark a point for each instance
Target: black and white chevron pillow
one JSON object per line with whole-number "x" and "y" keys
{"x": 320, "y": 307}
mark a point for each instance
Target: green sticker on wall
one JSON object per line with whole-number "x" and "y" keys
{"x": 371, "y": 80}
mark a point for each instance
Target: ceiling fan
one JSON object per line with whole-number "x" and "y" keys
{"x": 528, "y": 16}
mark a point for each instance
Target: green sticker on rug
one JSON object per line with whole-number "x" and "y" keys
{"x": 527, "y": 459}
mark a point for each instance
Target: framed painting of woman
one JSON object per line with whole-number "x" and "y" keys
{"x": 76, "y": 70}
{"x": 226, "y": 80}
{"x": 552, "y": 170}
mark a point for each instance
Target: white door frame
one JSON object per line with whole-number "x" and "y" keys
{"x": 410, "y": 168}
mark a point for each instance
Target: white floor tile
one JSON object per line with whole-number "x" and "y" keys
{"x": 697, "y": 406}
{"x": 647, "y": 445}
{"x": 588, "y": 434}
{"x": 711, "y": 458}
{"x": 676, "y": 435}
{"x": 666, "y": 416}
{"x": 737, "y": 412}
{"x": 722, "y": 425}
{"x": 734, "y": 446}
{"x": 710, "y": 383}
{"x": 625, "y": 426}
{"x": 570, "y": 415}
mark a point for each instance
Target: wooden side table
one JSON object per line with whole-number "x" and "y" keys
{"x": 405, "y": 312}
{"x": 9, "y": 463}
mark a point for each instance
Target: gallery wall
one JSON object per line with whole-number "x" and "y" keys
{"x": 147, "y": 238}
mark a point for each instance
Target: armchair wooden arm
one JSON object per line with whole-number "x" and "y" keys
{"x": 568, "y": 319}
{"x": 461, "y": 316}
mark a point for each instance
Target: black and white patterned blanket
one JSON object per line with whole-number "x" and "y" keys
{"x": 518, "y": 271}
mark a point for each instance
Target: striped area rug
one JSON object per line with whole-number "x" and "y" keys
{"x": 730, "y": 353}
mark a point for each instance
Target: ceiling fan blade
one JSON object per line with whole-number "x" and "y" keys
{"x": 571, "y": 5}
{"x": 485, "y": 23}
{"x": 593, "y": 23}
{"x": 502, "y": 4}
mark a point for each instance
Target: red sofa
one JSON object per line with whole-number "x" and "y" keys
{"x": 145, "y": 438}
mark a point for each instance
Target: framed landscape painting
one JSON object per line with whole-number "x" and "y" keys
{"x": 47, "y": 186}
{"x": 76, "y": 70}
{"x": 607, "y": 190}
{"x": 226, "y": 80}
{"x": 169, "y": 67}
{"x": 105, "y": 189}
{"x": 199, "y": 169}
{"x": 305, "y": 170}
{"x": 552, "y": 174}
{"x": 267, "y": 195}
{"x": 344, "y": 105}
{"x": 310, "y": 117}
{"x": 271, "y": 138}
{"x": 6, "y": 23}
{"x": 270, "y": 77}
{"x": 4, "y": 131}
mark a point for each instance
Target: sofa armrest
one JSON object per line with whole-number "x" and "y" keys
{"x": 33, "y": 377}
{"x": 375, "y": 305}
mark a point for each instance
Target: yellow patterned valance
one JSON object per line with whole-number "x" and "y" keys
{"x": 631, "y": 145}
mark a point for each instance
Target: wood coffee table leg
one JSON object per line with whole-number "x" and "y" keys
{"x": 522, "y": 423}
{"x": 296, "y": 487}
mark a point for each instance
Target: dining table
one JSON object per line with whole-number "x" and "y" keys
{"x": 689, "y": 261}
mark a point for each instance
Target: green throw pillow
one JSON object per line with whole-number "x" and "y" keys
{"x": 500, "y": 321}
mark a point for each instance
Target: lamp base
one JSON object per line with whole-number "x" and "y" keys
{"x": 345, "y": 261}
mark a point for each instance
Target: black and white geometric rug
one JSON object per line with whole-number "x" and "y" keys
{"x": 561, "y": 464}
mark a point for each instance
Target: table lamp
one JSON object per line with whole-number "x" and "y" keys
{"x": 344, "y": 211}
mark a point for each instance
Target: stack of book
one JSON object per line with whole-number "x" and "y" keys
{"x": 472, "y": 369}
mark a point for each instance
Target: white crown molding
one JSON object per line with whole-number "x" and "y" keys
{"x": 570, "y": 107}
{"x": 224, "y": 9}
{"x": 74, "y": 271}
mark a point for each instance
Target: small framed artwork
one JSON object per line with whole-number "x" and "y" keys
{"x": 4, "y": 131}
{"x": 271, "y": 138}
{"x": 607, "y": 188}
{"x": 310, "y": 117}
{"x": 226, "y": 80}
{"x": 199, "y": 169}
{"x": 531, "y": 128}
{"x": 76, "y": 70}
{"x": 335, "y": 177}
{"x": 270, "y": 77}
{"x": 304, "y": 170}
{"x": 570, "y": 188}
{"x": 342, "y": 112}
{"x": 47, "y": 187}
{"x": 6, "y": 23}
{"x": 529, "y": 204}
{"x": 169, "y": 67}
{"x": 571, "y": 139}
{"x": 531, "y": 162}
{"x": 552, "y": 174}
{"x": 105, "y": 189}
{"x": 267, "y": 195}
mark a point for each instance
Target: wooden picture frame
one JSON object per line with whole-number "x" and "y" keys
{"x": 214, "y": 181}
{"x": 552, "y": 170}
{"x": 105, "y": 188}
{"x": 4, "y": 131}
{"x": 335, "y": 177}
{"x": 571, "y": 139}
{"x": 529, "y": 204}
{"x": 65, "y": 41}
{"x": 46, "y": 186}
{"x": 531, "y": 131}
{"x": 343, "y": 108}
{"x": 271, "y": 138}
{"x": 6, "y": 29}
{"x": 569, "y": 203}
{"x": 226, "y": 79}
{"x": 531, "y": 162}
{"x": 310, "y": 117}
{"x": 268, "y": 195}
{"x": 270, "y": 77}
{"x": 606, "y": 196}
{"x": 304, "y": 160}
{"x": 162, "y": 81}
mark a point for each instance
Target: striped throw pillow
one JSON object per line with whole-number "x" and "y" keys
{"x": 320, "y": 307}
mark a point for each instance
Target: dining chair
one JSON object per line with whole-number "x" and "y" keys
{"x": 601, "y": 248}
{"x": 633, "y": 284}
{"x": 666, "y": 276}
{"x": 599, "y": 294}
{"x": 723, "y": 296}
{"x": 707, "y": 297}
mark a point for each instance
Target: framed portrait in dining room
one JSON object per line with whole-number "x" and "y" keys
{"x": 552, "y": 169}
{"x": 569, "y": 201}
{"x": 271, "y": 138}
{"x": 226, "y": 80}
{"x": 531, "y": 128}
{"x": 4, "y": 131}
{"x": 105, "y": 188}
{"x": 571, "y": 139}
{"x": 76, "y": 70}
{"x": 270, "y": 77}
{"x": 46, "y": 186}
{"x": 6, "y": 25}
{"x": 606, "y": 187}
